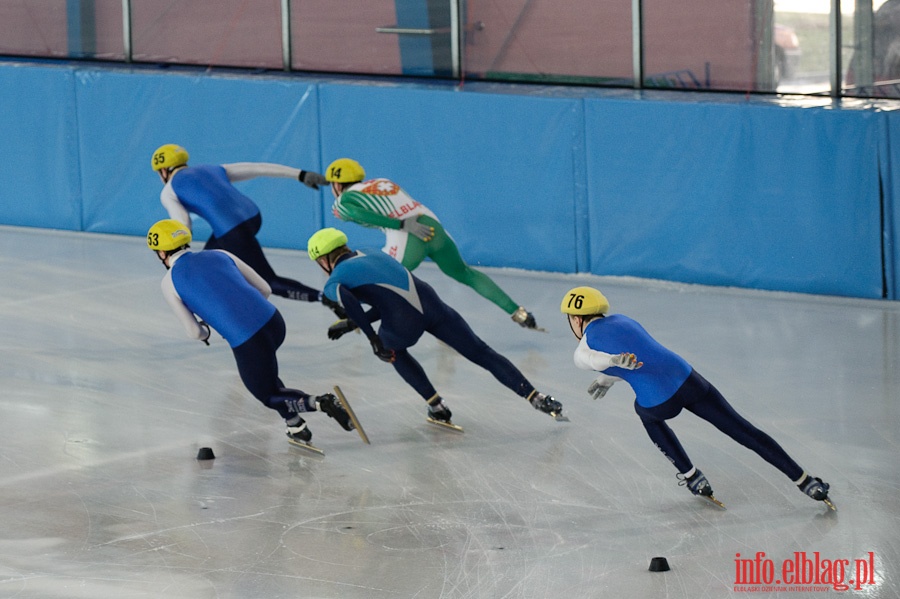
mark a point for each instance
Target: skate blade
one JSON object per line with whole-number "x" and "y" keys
{"x": 450, "y": 425}
{"x": 828, "y": 502}
{"x": 306, "y": 447}
{"x": 558, "y": 416}
{"x": 713, "y": 500}
{"x": 353, "y": 418}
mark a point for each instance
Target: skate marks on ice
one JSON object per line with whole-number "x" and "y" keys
{"x": 106, "y": 404}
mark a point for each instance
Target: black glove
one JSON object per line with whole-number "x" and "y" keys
{"x": 311, "y": 179}
{"x": 205, "y": 327}
{"x": 341, "y": 328}
{"x": 385, "y": 355}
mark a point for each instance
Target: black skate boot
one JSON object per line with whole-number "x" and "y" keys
{"x": 334, "y": 307}
{"x": 546, "y": 404}
{"x": 524, "y": 318}
{"x": 438, "y": 410}
{"x": 440, "y": 414}
{"x": 817, "y": 489}
{"x": 699, "y": 486}
{"x": 299, "y": 431}
{"x": 299, "y": 435}
{"x": 329, "y": 404}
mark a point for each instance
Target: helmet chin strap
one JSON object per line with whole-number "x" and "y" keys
{"x": 580, "y": 333}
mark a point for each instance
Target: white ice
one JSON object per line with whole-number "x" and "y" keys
{"x": 105, "y": 404}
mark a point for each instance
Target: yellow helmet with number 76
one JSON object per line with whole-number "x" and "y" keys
{"x": 584, "y": 301}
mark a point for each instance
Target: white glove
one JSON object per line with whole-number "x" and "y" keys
{"x": 414, "y": 227}
{"x": 599, "y": 388}
{"x": 626, "y": 361}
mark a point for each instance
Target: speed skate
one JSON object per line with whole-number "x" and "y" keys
{"x": 306, "y": 446}
{"x": 450, "y": 425}
{"x": 713, "y": 501}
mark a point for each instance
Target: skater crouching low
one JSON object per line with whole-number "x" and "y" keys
{"x": 664, "y": 384}
{"x": 407, "y": 308}
{"x": 230, "y": 297}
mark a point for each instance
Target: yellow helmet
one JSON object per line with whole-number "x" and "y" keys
{"x": 325, "y": 241}
{"x": 168, "y": 156}
{"x": 345, "y": 170}
{"x": 168, "y": 235}
{"x": 584, "y": 301}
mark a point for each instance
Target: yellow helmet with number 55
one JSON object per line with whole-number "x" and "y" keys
{"x": 167, "y": 235}
{"x": 584, "y": 301}
{"x": 168, "y": 156}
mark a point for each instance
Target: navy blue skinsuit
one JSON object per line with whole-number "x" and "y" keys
{"x": 408, "y": 307}
{"x": 666, "y": 384}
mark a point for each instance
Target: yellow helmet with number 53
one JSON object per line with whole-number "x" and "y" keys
{"x": 584, "y": 301}
{"x": 167, "y": 235}
{"x": 168, "y": 156}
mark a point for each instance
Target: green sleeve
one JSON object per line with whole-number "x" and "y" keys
{"x": 350, "y": 208}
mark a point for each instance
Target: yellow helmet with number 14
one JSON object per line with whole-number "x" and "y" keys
{"x": 345, "y": 170}
{"x": 584, "y": 301}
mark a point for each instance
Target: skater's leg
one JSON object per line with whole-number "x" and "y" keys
{"x": 712, "y": 407}
{"x": 242, "y": 242}
{"x": 445, "y": 254}
{"x": 654, "y": 421}
{"x": 258, "y": 368}
{"x": 413, "y": 373}
{"x": 453, "y": 330}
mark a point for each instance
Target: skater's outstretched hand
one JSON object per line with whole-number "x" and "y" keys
{"x": 311, "y": 179}
{"x": 204, "y": 332}
{"x": 414, "y": 227}
{"x": 385, "y": 355}
{"x": 626, "y": 361}
{"x": 598, "y": 388}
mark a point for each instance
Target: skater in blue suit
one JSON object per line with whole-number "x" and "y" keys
{"x": 664, "y": 384}
{"x": 407, "y": 307}
{"x": 207, "y": 191}
{"x": 228, "y": 296}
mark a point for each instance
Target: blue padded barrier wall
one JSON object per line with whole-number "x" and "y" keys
{"x": 40, "y": 184}
{"x": 123, "y": 117}
{"x": 712, "y": 189}
{"x": 889, "y": 151}
{"x": 736, "y": 194}
{"x": 498, "y": 170}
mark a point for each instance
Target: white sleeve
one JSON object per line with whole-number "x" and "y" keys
{"x": 173, "y": 205}
{"x": 591, "y": 359}
{"x": 251, "y": 275}
{"x": 241, "y": 171}
{"x": 187, "y": 318}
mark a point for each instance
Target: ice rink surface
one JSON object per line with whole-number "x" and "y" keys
{"x": 106, "y": 403}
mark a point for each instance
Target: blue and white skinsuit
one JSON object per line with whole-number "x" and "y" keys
{"x": 408, "y": 307}
{"x": 665, "y": 385}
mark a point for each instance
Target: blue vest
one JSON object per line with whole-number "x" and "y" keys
{"x": 663, "y": 371}
{"x": 212, "y": 287}
{"x": 206, "y": 191}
